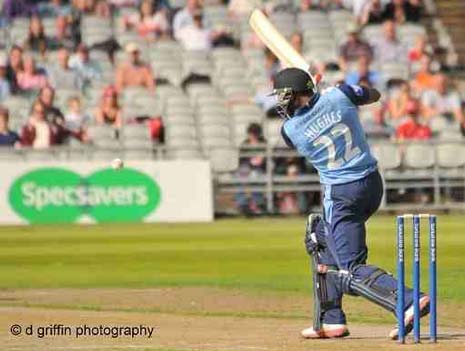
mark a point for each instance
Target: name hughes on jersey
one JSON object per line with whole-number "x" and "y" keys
{"x": 322, "y": 123}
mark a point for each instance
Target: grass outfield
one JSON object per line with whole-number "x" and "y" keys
{"x": 250, "y": 255}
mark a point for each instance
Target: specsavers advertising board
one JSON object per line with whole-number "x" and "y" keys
{"x": 92, "y": 192}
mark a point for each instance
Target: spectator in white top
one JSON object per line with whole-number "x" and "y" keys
{"x": 196, "y": 36}
{"x": 150, "y": 22}
{"x": 443, "y": 101}
{"x": 388, "y": 48}
{"x": 185, "y": 17}
{"x": 88, "y": 68}
{"x": 62, "y": 76}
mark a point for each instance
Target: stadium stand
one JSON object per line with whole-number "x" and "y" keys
{"x": 199, "y": 104}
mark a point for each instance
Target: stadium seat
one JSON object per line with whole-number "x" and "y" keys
{"x": 388, "y": 156}
{"x": 450, "y": 155}
{"x": 224, "y": 159}
{"x": 185, "y": 154}
{"x": 419, "y": 156}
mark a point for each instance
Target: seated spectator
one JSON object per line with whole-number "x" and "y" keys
{"x": 388, "y": 48}
{"x": 238, "y": 9}
{"x": 150, "y": 22}
{"x": 413, "y": 128}
{"x": 398, "y": 103}
{"x": 62, "y": 76}
{"x": 372, "y": 13}
{"x": 76, "y": 121}
{"x": 443, "y": 101}
{"x": 36, "y": 40}
{"x": 363, "y": 74}
{"x": 272, "y": 65}
{"x": 31, "y": 78}
{"x": 109, "y": 112}
{"x": 401, "y": 11}
{"x": 297, "y": 42}
{"x": 5, "y": 89}
{"x": 353, "y": 47}
{"x": 252, "y": 167}
{"x": 185, "y": 17}
{"x": 14, "y": 66}
{"x": 88, "y": 69}
{"x": 7, "y": 136}
{"x": 134, "y": 72}
{"x": 290, "y": 202}
{"x": 266, "y": 100}
{"x": 38, "y": 132}
{"x": 17, "y": 8}
{"x": 53, "y": 114}
{"x": 425, "y": 78}
{"x": 419, "y": 50}
{"x": 54, "y": 8}
{"x": 196, "y": 36}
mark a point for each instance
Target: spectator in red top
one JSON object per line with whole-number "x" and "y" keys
{"x": 412, "y": 128}
{"x": 38, "y": 132}
{"x": 109, "y": 111}
{"x": 419, "y": 49}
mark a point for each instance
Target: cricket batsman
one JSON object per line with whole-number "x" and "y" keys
{"x": 326, "y": 130}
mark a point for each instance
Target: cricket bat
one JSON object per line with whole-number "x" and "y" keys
{"x": 276, "y": 42}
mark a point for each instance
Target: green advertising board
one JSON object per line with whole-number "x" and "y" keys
{"x": 59, "y": 195}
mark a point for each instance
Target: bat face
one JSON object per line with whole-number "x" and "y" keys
{"x": 275, "y": 41}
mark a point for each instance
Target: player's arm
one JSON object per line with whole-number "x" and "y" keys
{"x": 360, "y": 95}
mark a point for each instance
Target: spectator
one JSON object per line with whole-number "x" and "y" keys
{"x": 134, "y": 72}
{"x": 249, "y": 168}
{"x": 16, "y": 8}
{"x": 53, "y": 114}
{"x": 54, "y": 8}
{"x": 14, "y": 66}
{"x": 292, "y": 202}
{"x": 196, "y": 36}
{"x": 36, "y": 40}
{"x": 150, "y": 22}
{"x": 388, "y": 48}
{"x": 109, "y": 112}
{"x": 75, "y": 120}
{"x": 425, "y": 79}
{"x": 372, "y": 13}
{"x": 31, "y": 78}
{"x": 88, "y": 69}
{"x": 7, "y": 136}
{"x": 38, "y": 132}
{"x": 412, "y": 128}
{"x": 272, "y": 65}
{"x": 185, "y": 17}
{"x": 297, "y": 42}
{"x": 5, "y": 89}
{"x": 398, "y": 103}
{"x": 443, "y": 101}
{"x": 419, "y": 50}
{"x": 363, "y": 74}
{"x": 62, "y": 76}
{"x": 401, "y": 11}
{"x": 238, "y": 9}
{"x": 353, "y": 47}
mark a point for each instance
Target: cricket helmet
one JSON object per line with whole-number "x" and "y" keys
{"x": 287, "y": 83}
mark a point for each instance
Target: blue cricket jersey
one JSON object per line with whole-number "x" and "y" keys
{"x": 328, "y": 133}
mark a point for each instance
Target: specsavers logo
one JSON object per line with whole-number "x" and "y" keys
{"x": 54, "y": 195}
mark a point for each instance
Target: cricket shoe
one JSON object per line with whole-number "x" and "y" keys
{"x": 408, "y": 319}
{"x": 326, "y": 331}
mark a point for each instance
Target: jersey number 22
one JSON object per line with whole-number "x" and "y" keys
{"x": 340, "y": 130}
